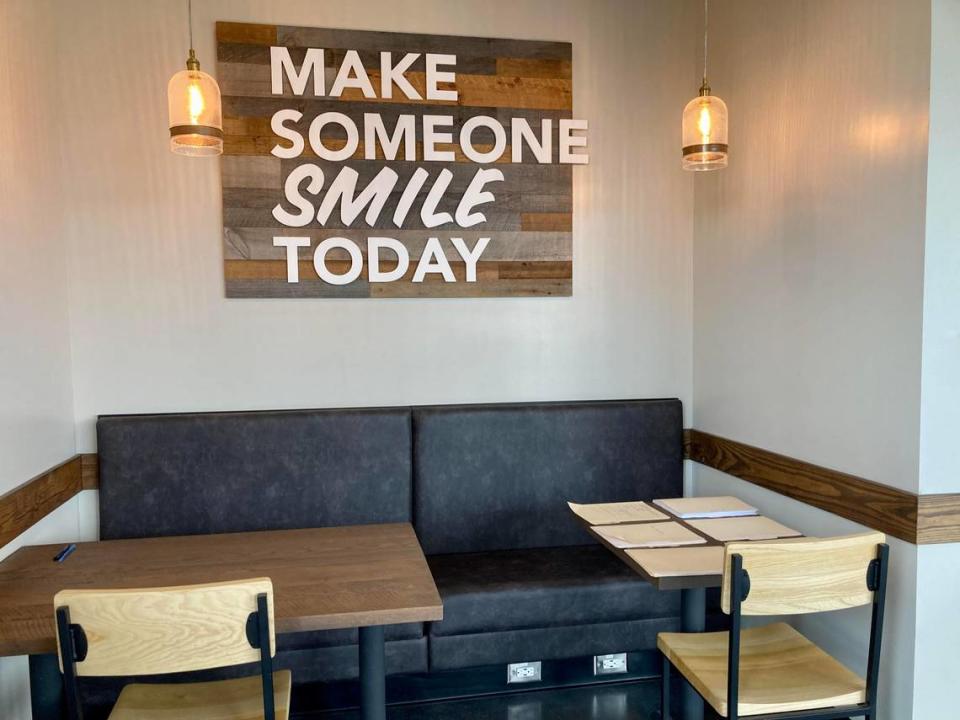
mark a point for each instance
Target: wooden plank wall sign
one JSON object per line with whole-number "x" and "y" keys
{"x": 376, "y": 164}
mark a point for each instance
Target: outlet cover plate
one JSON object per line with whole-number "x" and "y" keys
{"x": 610, "y": 664}
{"x": 524, "y": 672}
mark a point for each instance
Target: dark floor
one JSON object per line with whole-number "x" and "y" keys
{"x": 629, "y": 701}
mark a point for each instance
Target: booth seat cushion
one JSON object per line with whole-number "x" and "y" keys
{"x": 541, "y": 588}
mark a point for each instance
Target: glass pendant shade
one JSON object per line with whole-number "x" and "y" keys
{"x": 705, "y": 133}
{"x": 196, "y": 123}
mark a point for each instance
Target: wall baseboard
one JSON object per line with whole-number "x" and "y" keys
{"x": 918, "y": 519}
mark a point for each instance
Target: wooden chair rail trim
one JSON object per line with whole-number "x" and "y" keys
{"x": 27, "y": 504}
{"x": 918, "y": 519}
{"x": 89, "y": 471}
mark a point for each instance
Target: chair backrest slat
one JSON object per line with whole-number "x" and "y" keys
{"x": 164, "y": 630}
{"x": 806, "y": 575}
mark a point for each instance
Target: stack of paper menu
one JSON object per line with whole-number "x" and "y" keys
{"x": 743, "y": 528}
{"x": 615, "y": 513}
{"x": 676, "y": 562}
{"x": 706, "y": 507}
{"x": 649, "y": 535}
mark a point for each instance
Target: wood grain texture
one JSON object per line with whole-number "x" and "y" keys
{"x": 805, "y": 575}
{"x": 877, "y": 506}
{"x": 246, "y": 33}
{"x": 252, "y": 136}
{"x": 780, "y": 670}
{"x": 252, "y": 243}
{"x": 27, "y": 504}
{"x": 938, "y": 519}
{"x": 486, "y": 271}
{"x": 529, "y": 223}
{"x": 237, "y": 699}
{"x": 461, "y": 45}
{"x": 558, "y": 222}
{"x": 89, "y": 471}
{"x": 323, "y": 578}
{"x": 543, "y": 91}
{"x": 150, "y": 631}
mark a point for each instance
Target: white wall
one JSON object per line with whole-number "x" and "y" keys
{"x": 36, "y": 411}
{"x": 809, "y": 247}
{"x": 938, "y": 582}
{"x": 940, "y": 404}
{"x": 153, "y": 332}
{"x": 36, "y": 398}
{"x": 808, "y": 269}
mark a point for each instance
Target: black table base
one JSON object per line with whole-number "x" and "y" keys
{"x": 46, "y": 687}
{"x": 373, "y": 694}
{"x": 693, "y": 619}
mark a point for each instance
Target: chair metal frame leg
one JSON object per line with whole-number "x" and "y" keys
{"x": 266, "y": 657}
{"x": 665, "y": 690}
{"x": 73, "y": 644}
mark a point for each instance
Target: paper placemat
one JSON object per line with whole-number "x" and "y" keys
{"x": 756, "y": 527}
{"x": 615, "y": 513}
{"x": 706, "y": 507}
{"x": 649, "y": 535}
{"x": 677, "y": 562}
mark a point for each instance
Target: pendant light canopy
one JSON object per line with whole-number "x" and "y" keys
{"x": 705, "y": 123}
{"x": 193, "y": 101}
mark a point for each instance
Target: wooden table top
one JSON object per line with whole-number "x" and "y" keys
{"x": 323, "y": 578}
{"x": 679, "y": 582}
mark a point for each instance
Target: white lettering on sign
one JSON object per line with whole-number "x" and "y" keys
{"x": 433, "y": 259}
{"x": 334, "y": 137}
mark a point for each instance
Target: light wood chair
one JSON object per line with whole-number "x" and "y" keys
{"x": 774, "y": 672}
{"x": 175, "y": 629}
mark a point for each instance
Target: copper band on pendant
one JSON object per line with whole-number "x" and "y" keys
{"x": 196, "y": 130}
{"x": 708, "y": 148}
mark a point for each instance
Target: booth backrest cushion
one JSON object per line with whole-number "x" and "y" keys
{"x": 186, "y": 474}
{"x": 498, "y": 476}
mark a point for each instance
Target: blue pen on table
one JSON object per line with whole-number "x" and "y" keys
{"x": 65, "y": 553}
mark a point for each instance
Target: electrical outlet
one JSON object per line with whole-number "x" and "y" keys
{"x": 523, "y": 672}
{"x": 609, "y": 664}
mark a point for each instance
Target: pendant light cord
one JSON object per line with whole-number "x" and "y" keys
{"x": 190, "y": 21}
{"x": 706, "y": 18}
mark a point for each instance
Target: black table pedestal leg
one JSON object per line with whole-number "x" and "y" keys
{"x": 693, "y": 619}
{"x": 373, "y": 703}
{"x": 46, "y": 687}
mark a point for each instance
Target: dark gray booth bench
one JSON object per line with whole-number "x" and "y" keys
{"x": 485, "y": 487}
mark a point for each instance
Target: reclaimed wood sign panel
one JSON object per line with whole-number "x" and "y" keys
{"x": 375, "y": 164}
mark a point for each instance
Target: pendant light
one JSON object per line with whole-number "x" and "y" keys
{"x": 193, "y": 100}
{"x": 705, "y": 122}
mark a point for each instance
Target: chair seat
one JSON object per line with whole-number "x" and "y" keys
{"x": 239, "y": 699}
{"x": 780, "y": 670}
